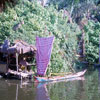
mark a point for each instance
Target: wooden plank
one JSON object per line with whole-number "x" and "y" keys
{"x": 23, "y": 75}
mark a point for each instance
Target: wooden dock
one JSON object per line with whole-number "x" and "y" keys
{"x": 21, "y": 75}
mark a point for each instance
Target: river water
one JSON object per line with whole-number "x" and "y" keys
{"x": 85, "y": 88}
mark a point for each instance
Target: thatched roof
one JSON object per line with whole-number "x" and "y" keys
{"x": 20, "y": 47}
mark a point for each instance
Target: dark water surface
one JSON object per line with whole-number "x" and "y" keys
{"x": 86, "y": 88}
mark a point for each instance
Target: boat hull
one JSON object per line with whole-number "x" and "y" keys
{"x": 58, "y": 78}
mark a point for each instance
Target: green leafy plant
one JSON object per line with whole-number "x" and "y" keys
{"x": 92, "y": 31}
{"x": 27, "y": 20}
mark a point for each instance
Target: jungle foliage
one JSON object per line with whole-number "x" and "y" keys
{"x": 27, "y": 20}
{"x": 92, "y": 31}
{"x": 89, "y": 9}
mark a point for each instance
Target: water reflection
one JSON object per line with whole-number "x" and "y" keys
{"x": 99, "y": 80}
{"x": 41, "y": 91}
{"x": 68, "y": 90}
{"x": 27, "y": 90}
{"x": 16, "y": 90}
{"x": 81, "y": 88}
{"x": 80, "y": 94}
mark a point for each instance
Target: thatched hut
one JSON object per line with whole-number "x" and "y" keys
{"x": 15, "y": 56}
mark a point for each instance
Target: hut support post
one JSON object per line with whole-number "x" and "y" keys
{"x": 17, "y": 61}
{"x": 7, "y": 63}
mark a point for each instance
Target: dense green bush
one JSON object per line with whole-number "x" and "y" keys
{"x": 92, "y": 31}
{"x": 40, "y": 21}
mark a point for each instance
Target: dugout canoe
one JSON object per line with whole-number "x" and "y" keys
{"x": 58, "y": 78}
